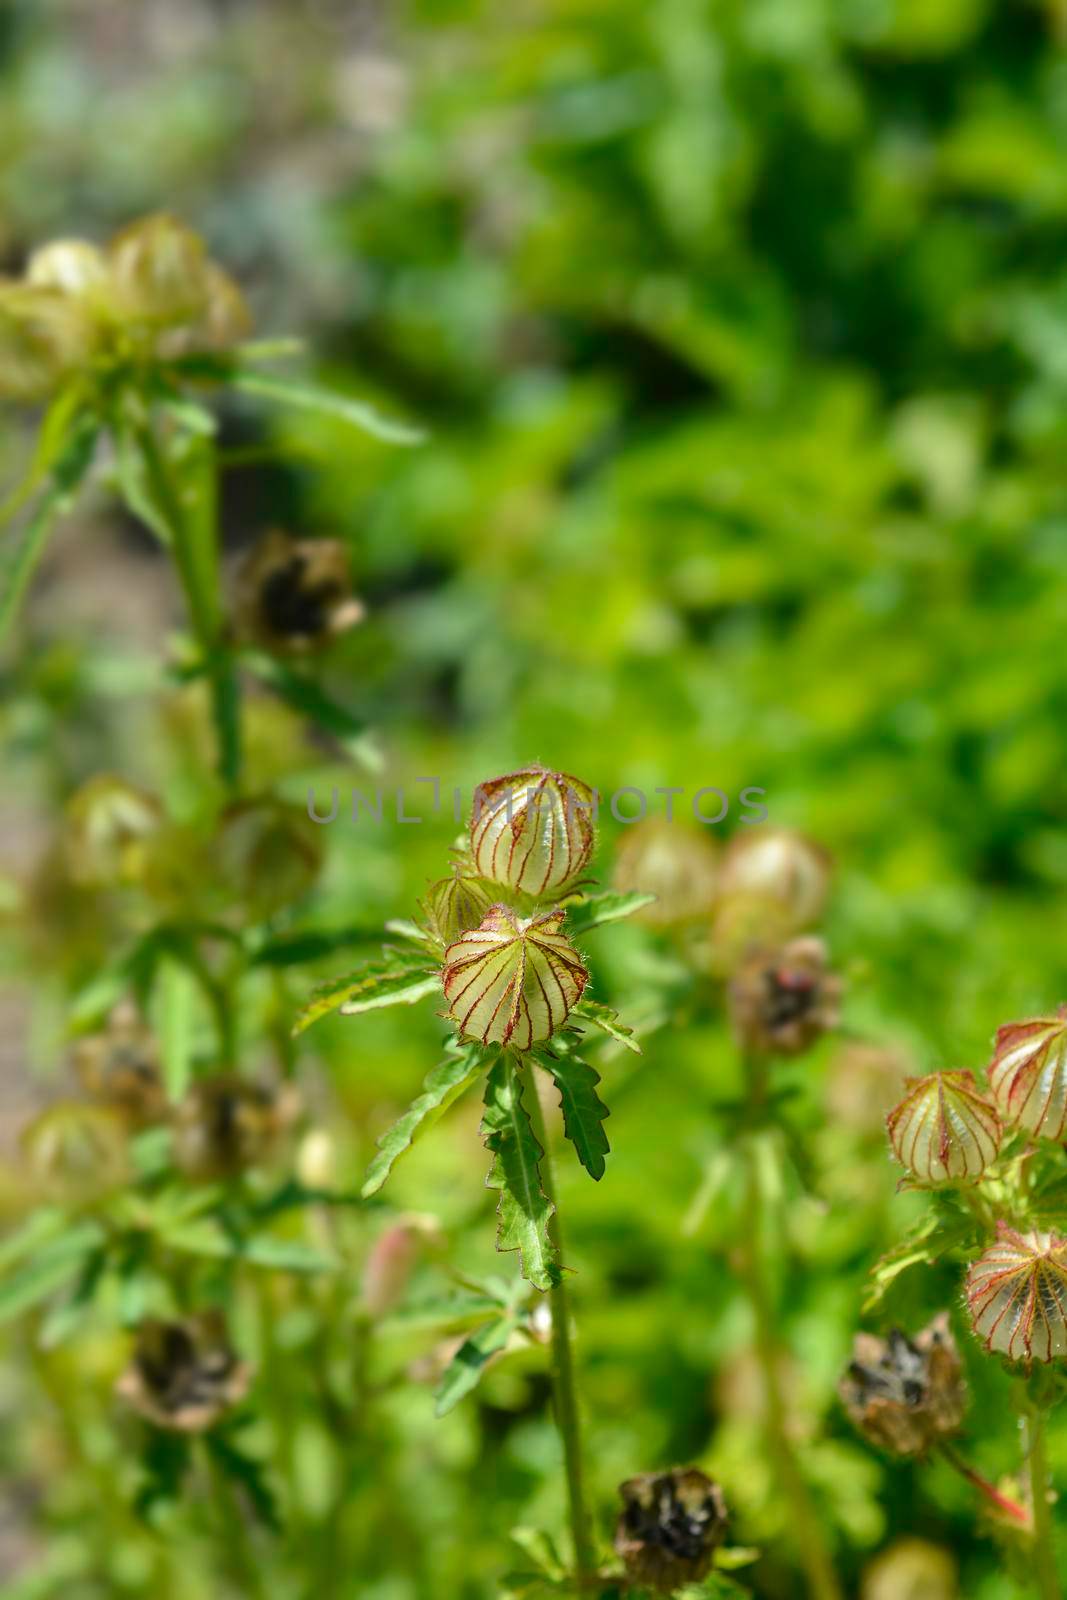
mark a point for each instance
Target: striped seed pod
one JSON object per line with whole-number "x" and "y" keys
{"x": 1017, "y": 1295}
{"x": 1028, "y": 1075}
{"x": 513, "y": 980}
{"x": 945, "y": 1130}
{"x": 532, "y": 830}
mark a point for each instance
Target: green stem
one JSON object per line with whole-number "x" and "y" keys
{"x": 815, "y": 1558}
{"x": 1045, "y": 1574}
{"x": 202, "y": 602}
{"x": 563, "y": 1377}
{"x": 1006, "y": 1506}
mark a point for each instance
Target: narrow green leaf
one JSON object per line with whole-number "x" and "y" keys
{"x": 524, "y": 1212}
{"x": 470, "y": 1361}
{"x": 206, "y": 1238}
{"x": 607, "y": 1019}
{"x": 177, "y": 995}
{"x": 22, "y": 551}
{"x": 66, "y": 1319}
{"x": 441, "y": 1311}
{"x": 442, "y": 1088}
{"x": 583, "y": 1110}
{"x": 51, "y": 438}
{"x": 246, "y": 1471}
{"x": 51, "y": 1265}
{"x": 310, "y": 397}
{"x": 595, "y": 909}
{"x": 40, "y": 1225}
{"x": 305, "y": 696}
{"x": 399, "y": 979}
{"x": 310, "y": 944}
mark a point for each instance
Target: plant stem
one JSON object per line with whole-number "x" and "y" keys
{"x": 1010, "y": 1508}
{"x": 815, "y": 1558}
{"x": 201, "y": 592}
{"x": 1045, "y": 1574}
{"x": 563, "y": 1379}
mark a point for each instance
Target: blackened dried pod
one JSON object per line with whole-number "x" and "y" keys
{"x": 45, "y": 337}
{"x": 905, "y": 1394}
{"x": 455, "y": 905}
{"x": 513, "y": 980}
{"x": 675, "y": 862}
{"x": 945, "y": 1130}
{"x": 109, "y": 828}
{"x": 184, "y": 1374}
{"x": 782, "y": 1001}
{"x": 532, "y": 830}
{"x": 120, "y": 1068}
{"x": 293, "y": 596}
{"x": 780, "y": 866}
{"x": 228, "y": 1123}
{"x": 669, "y": 1528}
{"x": 1017, "y": 1295}
{"x": 1028, "y": 1075}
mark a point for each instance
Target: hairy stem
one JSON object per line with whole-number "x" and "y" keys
{"x": 818, "y": 1568}
{"x": 1008, "y": 1507}
{"x": 563, "y": 1379}
{"x": 1046, "y": 1576}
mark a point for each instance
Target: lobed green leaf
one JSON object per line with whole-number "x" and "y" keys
{"x": 443, "y": 1086}
{"x": 398, "y": 979}
{"x": 524, "y": 1212}
{"x": 584, "y": 1112}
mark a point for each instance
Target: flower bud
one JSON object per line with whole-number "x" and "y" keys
{"x": 184, "y": 1374}
{"x": 109, "y": 826}
{"x": 532, "y": 830}
{"x": 782, "y": 1001}
{"x": 1017, "y": 1295}
{"x": 294, "y": 595}
{"x": 669, "y": 1528}
{"x": 44, "y": 338}
{"x": 455, "y": 905}
{"x": 70, "y": 266}
{"x": 1028, "y": 1075}
{"x": 120, "y": 1068}
{"x": 911, "y": 1569}
{"x": 905, "y": 1394}
{"x": 676, "y": 863}
{"x": 158, "y": 269}
{"x": 393, "y": 1259}
{"x": 513, "y": 980}
{"x": 944, "y": 1129}
{"x": 228, "y": 1123}
{"x": 781, "y": 867}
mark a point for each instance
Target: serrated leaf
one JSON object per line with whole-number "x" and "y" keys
{"x": 443, "y": 1086}
{"x": 524, "y": 1213}
{"x": 583, "y": 1110}
{"x": 399, "y": 979}
{"x": 595, "y": 909}
{"x": 311, "y": 944}
{"x": 469, "y": 1362}
{"x": 607, "y": 1019}
{"x": 926, "y": 1243}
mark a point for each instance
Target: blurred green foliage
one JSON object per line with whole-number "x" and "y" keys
{"x": 740, "y": 329}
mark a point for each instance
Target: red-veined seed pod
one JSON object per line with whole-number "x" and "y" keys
{"x": 532, "y": 830}
{"x": 945, "y": 1129}
{"x": 1028, "y": 1075}
{"x": 1017, "y": 1295}
{"x": 454, "y": 905}
{"x": 513, "y": 980}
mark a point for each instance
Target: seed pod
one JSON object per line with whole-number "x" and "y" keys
{"x": 1028, "y": 1075}
{"x": 1017, "y": 1295}
{"x": 44, "y": 338}
{"x": 455, "y": 905}
{"x": 905, "y": 1394}
{"x": 669, "y": 1528}
{"x": 676, "y": 863}
{"x": 70, "y": 266}
{"x": 945, "y": 1129}
{"x": 227, "y": 1124}
{"x": 781, "y": 867}
{"x": 266, "y": 854}
{"x": 120, "y": 1068}
{"x": 513, "y": 980}
{"x": 782, "y": 1001}
{"x": 109, "y": 826}
{"x": 158, "y": 271}
{"x": 294, "y": 595}
{"x": 184, "y": 1374}
{"x": 911, "y": 1569}
{"x": 532, "y": 830}
{"x": 75, "y": 1151}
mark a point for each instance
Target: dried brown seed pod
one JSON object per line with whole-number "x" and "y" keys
{"x": 782, "y": 1001}
{"x": 293, "y": 596}
{"x": 669, "y": 1528}
{"x": 120, "y": 1067}
{"x": 905, "y": 1394}
{"x": 184, "y": 1374}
